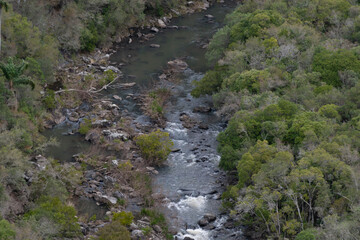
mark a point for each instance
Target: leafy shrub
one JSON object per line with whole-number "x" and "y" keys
{"x": 49, "y": 100}
{"x": 250, "y": 80}
{"x": 218, "y": 44}
{"x": 64, "y": 217}
{"x": 125, "y": 218}
{"x": 109, "y": 76}
{"x": 308, "y": 234}
{"x": 6, "y": 230}
{"x": 157, "y": 218}
{"x": 88, "y": 39}
{"x": 330, "y": 111}
{"x": 113, "y": 231}
{"x": 211, "y": 82}
{"x": 254, "y": 24}
{"x": 155, "y": 146}
{"x": 85, "y": 126}
{"x": 156, "y": 108}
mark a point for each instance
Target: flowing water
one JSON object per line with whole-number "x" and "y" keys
{"x": 191, "y": 180}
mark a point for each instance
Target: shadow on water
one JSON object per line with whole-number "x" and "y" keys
{"x": 68, "y": 145}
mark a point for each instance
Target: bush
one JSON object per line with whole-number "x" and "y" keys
{"x": 330, "y": 111}
{"x": 49, "y": 100}
{"x": 211, "y": 82}
{"x": 308, "y": 234}
{"x": 114, "y": 231}
{"x": 250, "y": 80}
{"x": 85, "y": 126}
{"x": 155, "y": 147}
{"x": 125, "y": 218}
{"x": 53, "y": 210}
{"x": 6, "y": 230}
{"x": 218, "y": 44}
{"x": 88, "y": 39}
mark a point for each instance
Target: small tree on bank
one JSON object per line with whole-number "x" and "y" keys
{"x": 155, "y": 147}
{"x": 13, "y": 73}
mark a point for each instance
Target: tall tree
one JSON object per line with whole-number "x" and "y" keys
{"x": 4, "y": 5}
{"x": 13, "y": 73}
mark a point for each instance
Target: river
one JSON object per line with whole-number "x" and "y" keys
{"x": 191, "y": 180}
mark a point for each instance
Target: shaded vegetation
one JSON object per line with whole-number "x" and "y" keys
{"x": 286, "y": 81}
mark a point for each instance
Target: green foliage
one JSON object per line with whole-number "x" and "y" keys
{"x": 85, "y": 126}
{"x": 157, "y": 218}
{"x": 291, "y": 92}
{"x": 211, "y": 82}
{"x": 125, "y": 218}
{"x": 330, "y": 63}
{"x": 218, "y": 44}
{"x": 24, "y": 40}
{"x": 53, "y": 210}
{"x": 330, "y": 111}
{"x": 308, "y": 234}
{"x": 155, "y": 146}
{"x": 49, "y": 100}
{"x": 253, "y": 24}
{"x": 146, "y": 231}
{"x": 250, "y": 80}
{"x": 89, "y": 38}
{"x": 109, "y": 76}
{"x": 7, "y": 231}
{"x": 13, "y": 73}
{"x": 113, "y": 231}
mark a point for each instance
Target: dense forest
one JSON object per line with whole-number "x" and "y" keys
{"x": 287, "y": 80}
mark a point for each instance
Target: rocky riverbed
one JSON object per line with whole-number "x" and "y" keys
{"x": 114, "y": 175}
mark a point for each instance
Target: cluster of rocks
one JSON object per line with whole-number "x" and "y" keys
{"x": 189, "y": 122}
{"x": 154, "y": 231}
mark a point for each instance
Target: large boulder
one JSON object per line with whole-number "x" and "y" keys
{"x": 206, "y": 219}
{"x": 177, "y": 65}
{"x": 93, "y": 136}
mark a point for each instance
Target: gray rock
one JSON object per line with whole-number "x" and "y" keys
{"x": 114, "y": 134}
{"x": 202, "y": 109}
{"x": 117, "y": 97}
{"x": 133, "y": 226}
{"x": 101, "y": 123}
{"x": 154, "y": 29}
{"x": 154, "y": 45}
{"x": 210, "y": 217}
{"x": 203, "y": 222}
{"x": 161, "y": 23}
{"x": 41, "y": 162}
{"x": 112, "y": 68}
{"x": 188, "y": 238}
{"x": 93, "y": 136}
{"x": 177, "y": 65}
{"x": 137, "y": 234}
{"x": 203, "y": 126}
{"x": 119, "y": 195}
{"x": 74, "y": 117}
{"x": 157, "y": 228}
{"x": 210, "y": 227}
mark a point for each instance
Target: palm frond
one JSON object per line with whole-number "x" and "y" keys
{"x": 4, "y": 5}
{"x": 20, "y": 68}
{"x": 23, "y": 80}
